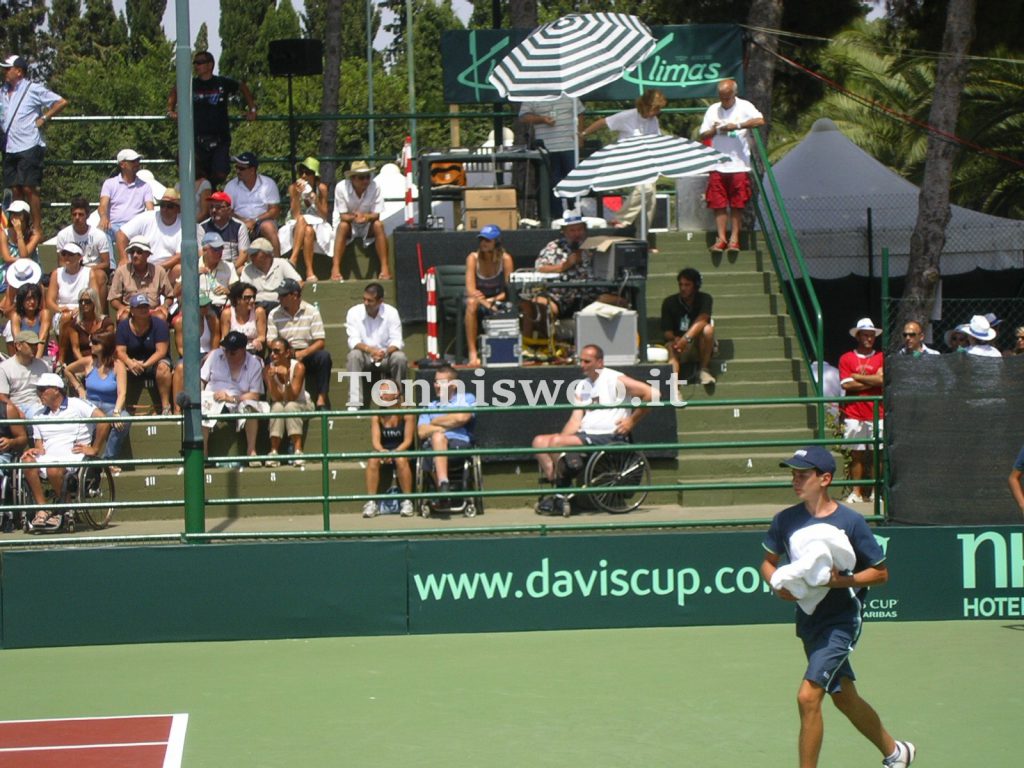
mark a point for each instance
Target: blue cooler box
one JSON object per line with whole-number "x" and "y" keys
{"x": 501, "y": 351}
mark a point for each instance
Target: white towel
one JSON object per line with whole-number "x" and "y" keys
{"x": 814, "y": 551}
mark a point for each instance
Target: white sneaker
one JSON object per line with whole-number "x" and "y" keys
{"x": 854, "y": 498}
{"x": 906, "y": 754}
{"x": 370, "y": 509}
{"x": 406, "y": 509}
{"x": 298, "y": 461}
{"x": 272, "y": 460}
{"x": 706, "y": 378}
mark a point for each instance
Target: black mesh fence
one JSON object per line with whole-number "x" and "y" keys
{"x": 1004, "y": 315}
{"x": 952, "y": 431}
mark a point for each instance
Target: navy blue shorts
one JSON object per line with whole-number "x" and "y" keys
{"x": 24, "y": 169}
{"x": 600, "y": 439}
{"x": 828, "y": 656}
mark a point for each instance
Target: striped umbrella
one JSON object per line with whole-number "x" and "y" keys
{"x": 572, "y": 56}
{"x": 639, "y": 160}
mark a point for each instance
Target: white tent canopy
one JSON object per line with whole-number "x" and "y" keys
{"x": 828, "y": 184}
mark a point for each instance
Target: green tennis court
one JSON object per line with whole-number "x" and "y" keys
{"x": 715, "y": 696}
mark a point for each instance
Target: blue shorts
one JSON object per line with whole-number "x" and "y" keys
{"x": 607, "y": 439}
{"x": 828, "y": 655}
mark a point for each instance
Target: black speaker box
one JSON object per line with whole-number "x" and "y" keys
{"x": 296, "y": 57}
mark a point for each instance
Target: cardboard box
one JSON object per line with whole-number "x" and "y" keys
{"x": 613, "y": 329}
{"x": 506, "y": 218}
{"x": 498, "y": 197}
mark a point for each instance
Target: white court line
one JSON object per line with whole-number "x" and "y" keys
{"x": 176, "y": 741}
{"x": 56, "y": 747}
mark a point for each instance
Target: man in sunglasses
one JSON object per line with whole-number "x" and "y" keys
{"x": 136, "y": 275}
{"x": 913, "y": 341}
{"x": 161, "y": 229}
{"x": 223, "y": 222}
{"x": 210, "y": 95}
{"x": 257, "y": 199}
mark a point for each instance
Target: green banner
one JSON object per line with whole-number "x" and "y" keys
{"x": 687, "y": 63}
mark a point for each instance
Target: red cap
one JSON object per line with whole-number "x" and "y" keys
{"x": 221, "y": 197}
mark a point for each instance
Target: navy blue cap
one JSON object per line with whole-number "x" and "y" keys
{"x": 811, "y": 457}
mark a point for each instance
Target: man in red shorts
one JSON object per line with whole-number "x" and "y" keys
{"x": 727, "y": 124}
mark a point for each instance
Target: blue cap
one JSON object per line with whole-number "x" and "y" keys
{"x": 213, "y": 239}
{"x": 811, "y": 457}
{"x": 140, "y": 299}
{"x": 490, "y": 232}
{"x": 247, "y": 159}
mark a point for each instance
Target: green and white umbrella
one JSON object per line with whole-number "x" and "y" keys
{"x": 572, "y": 56}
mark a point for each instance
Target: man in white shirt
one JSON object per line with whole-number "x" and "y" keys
{"x": 913, "y": 341}
{"x": 727, "y": 124}
{"x": 266, "y": 274}
{"x": 374, "y": 341}
{"x": 593, "y": 427}
{"x": 62, "y": 443}
{"x": 162, "y": 229}
{"x": 93, "y": 241}
{"x": 233, "y": 383}
{"x": 256, "y": 198}
{"x": 358, "y": 204}
{"x": 554, "y": 127}
{"x": 982, "y": 334}
{"x": 20, "y": 372}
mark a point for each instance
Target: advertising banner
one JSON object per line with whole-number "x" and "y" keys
{"x": 687, "y": 63}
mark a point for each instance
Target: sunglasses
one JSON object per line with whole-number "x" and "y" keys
{"x": 169, "y": 205}
{"x": 85, "y": 301}
{"x": 133, "y": 251}
{"x": 910, "y": 335}
{"x": 247, "y": 297}
{"x": 201, "y": 62}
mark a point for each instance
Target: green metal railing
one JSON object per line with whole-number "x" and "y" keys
{"x": 784, "y": 248}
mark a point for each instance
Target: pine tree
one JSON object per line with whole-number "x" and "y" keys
{"x": 202, "y": 42}
{"x": 240, "y": 22}
{"x": 20, "y": 33}
{"x": 145, "y": 18}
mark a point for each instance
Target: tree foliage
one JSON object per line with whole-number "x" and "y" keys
{"x": 240, "y": 22}
{"x": 144, "y": 23}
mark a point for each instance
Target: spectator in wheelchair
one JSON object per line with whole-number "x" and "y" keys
{"x": 390, "y": 434}
{"x": 441, "y": 431}
{"x": 601, "y": 386}
{"x": 13, "y": 440}
{"x": 488, "y": 270}
{"x": 60, "y": 444}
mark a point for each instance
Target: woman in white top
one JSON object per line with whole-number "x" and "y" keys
{"x": 309, "y": 201}
{"x": 244, "y": 315}
{"x": 67, "y": 283}
{"x": 639, "y": 121}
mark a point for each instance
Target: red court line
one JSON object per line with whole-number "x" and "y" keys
{"x": 114, "y": 730}
{"x": 97, "y": 757}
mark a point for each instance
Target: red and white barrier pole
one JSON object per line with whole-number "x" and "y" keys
{"x": 431, "y": 279}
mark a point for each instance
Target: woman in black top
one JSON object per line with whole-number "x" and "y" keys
{"x": 390, "y": 434}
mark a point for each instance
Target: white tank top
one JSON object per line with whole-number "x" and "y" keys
{"x": 70, "y": 287}
{"x": 605, "y": 390}
{"x": 248, "y": 327}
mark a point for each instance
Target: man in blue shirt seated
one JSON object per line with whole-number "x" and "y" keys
{"x": 440, "y": 431}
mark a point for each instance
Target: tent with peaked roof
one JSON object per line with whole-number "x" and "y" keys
{"x": 829, "y": 184}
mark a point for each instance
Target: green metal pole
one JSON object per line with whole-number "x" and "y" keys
{"x": 325, "y": 472}
{"x": 192, "y": 435}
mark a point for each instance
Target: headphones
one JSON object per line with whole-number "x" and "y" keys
{"x": 692, "y": 275}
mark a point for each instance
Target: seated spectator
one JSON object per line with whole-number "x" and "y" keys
{"x": 94, "y": 244}
{"x": 243, "y": 314}
{"x": 233, "y": 383}
{"x": 29, "y": 314}
{"x": 137, "y": 276}
{"x": 981, "y": 335}
{"x": 59, "y": 445}
{"x": 300, "y": 323}
{"x": 161, "y": 230}
{"x": 913, "y": 341}
{"x": 257, "y": 200}
{"x": 87, "y": 321}
{"x": 358, "y": 205}
{"x": 567, "y": 258}
{"x": 1018, "y": 343}
{"x": 284, "y": 378}
{"x": 16, "y": 274}
{"x": 441, "y": 431}
{"x": 600, "y": 426}
{"x": 957, "y": 339}
{"x": 390, "y": 434}
{"x": 488, "y": 270}
{"x": 20, "y": 372}
{"x": 266, "y": 273}
{"x": 309, "y": 201}
{"x": 66, "y": 284}
{"x": 231, "y": 230}
{"x": 19, "y": 240}
{"x": 375, "y": 343}
{"x": 123, "y": 196}
{"x": 13, "y": 440}
{"x": 102, "y": 379}
{"x": 215, "y": 279}
{"x": 687, "y": 326}
{"x": 209, "y": 337}
{"x": 143, "y": 345}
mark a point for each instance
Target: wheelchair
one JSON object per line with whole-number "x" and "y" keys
{"x": 607, "y": 470}
{"x": 465, "y": 473}
{"x": 81, "y": 486}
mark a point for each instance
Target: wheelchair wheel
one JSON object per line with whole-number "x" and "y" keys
{"x": 473, "y": 481}
{"x": 96, "y": 486}
{"x": 613, "y": 469}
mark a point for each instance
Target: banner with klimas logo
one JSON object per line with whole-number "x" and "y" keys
{"x": 687, "y": 63}
{"x": 338, "y": 588}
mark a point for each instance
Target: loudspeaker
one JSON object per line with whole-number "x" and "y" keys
{"x": 297, "y": 56}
